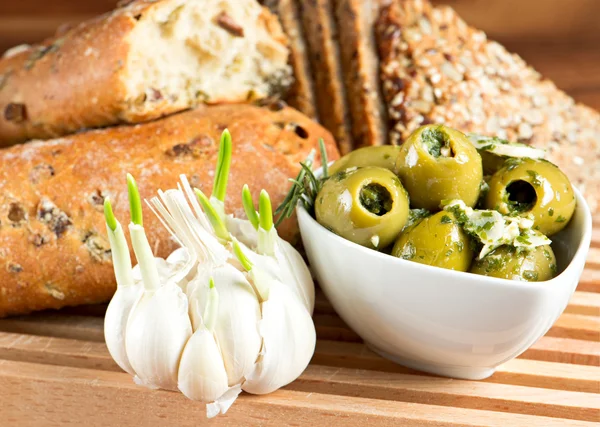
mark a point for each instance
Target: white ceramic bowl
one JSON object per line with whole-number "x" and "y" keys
{"x": 441, "y": 321}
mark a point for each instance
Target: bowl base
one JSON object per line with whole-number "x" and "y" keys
{"x": 461, "y": 372}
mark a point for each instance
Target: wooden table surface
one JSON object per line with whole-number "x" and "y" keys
{"x": 55, "y": 370}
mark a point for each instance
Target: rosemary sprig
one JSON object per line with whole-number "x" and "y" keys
{"x": 305, "y": 187}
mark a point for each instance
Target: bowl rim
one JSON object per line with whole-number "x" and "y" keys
{"x": 582, "y": 247}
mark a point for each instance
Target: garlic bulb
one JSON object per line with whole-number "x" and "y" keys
{"x": 217, "y": 316}
{"x": 127, "y": 294}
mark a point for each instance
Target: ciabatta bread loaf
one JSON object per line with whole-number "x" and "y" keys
{"x": 54, "y": 250}
{"x": 437, "y": 69}
{"x": 142, "y": 61}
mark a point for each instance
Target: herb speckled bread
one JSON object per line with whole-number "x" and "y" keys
{"x": 437, "y": 69}
{"x": 139, "y": 62}
{"x": 53, "y": 246}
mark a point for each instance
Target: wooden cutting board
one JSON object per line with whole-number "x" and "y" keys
{"x": 55, "y": 370}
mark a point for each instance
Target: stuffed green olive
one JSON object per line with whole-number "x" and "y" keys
{"x": 437, "y": 240}
{"x": 368, "y": 206}
{"x": 437, "y": 163}
{"x": 534, "y": 188}
{"x": 507, "y": 262}
{"x": 383, "y": 157}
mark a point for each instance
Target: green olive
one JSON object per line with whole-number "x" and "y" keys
{"x": 437, "y": 163}
{"x": 367, "y": 206}
{"x": 437, "y": 240}
{"x": 383, "y": 157}
{"x": 506, "y": 262}
{"x": 491, "y": 162}
{"x": 533, "y": 187}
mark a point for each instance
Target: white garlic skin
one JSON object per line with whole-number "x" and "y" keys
{"x": 236, "y": 326}
{"x": 289, "y": 340}
{"x": 202, "y": 374}
{"x": 157, "y": 331}
{"x": 115, "y": 324}
{"x": 295, "y": 273}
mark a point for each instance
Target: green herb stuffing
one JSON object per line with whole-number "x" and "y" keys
{"x": 446, "y": 219}
{"x": 530, "y": 275}
{"x": 550, "y": 212}
{"x": 376, "y": 199}
{"x": 511, "y": 163}
{"x": 416, "y": 215}
{"x": 560, "y": 218}
{"x": 535, "y": 178}
{"x": 433, "y": 139}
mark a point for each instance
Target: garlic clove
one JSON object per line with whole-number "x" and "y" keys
{"x": 178, "y": 268}
{"x": 238, "y": 316}
{"x": 126, "y": 296}
{"x": 157, "y": 331}
{"x": 243, "y": 230}
{"x": 223, "y": 403}
{"x": 202, "y": 374}
{"x": 288, "y": 267}
{"x": 295, "y": 273}
{"x": 289, "y": 340}
{"x": 115, "y": 323}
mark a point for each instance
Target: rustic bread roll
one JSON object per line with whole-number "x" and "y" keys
{"x": 54, "y": 250}
{"x": 437, "y": 69}
{"x": 140, "y": 62}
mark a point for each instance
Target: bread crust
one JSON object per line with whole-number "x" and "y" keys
{"x": 322, "y": 38}
{"x": 301, "y": 94}
{"x": 437, "y": 69}
{"x": 356, "y": 21}
{"x": 54, "y": 251}
{"x": 75, "y": 80}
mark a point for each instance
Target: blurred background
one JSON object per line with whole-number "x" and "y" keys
{"x": 560, "y": 38}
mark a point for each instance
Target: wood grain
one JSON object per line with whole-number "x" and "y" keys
{"x": 44, "y": 395}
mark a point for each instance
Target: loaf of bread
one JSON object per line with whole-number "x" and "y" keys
{"x": 320, "y": 28}
{"x": 144, "y": 60}
{"x": 360, "y": 65}
{"x": 54, "y": 250}
{"x": 437, "y": 69}
{"x": 301, "y": 94}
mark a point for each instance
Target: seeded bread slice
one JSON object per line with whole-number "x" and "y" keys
{"x": 356, "y": 21}
{"x": 437, "y": 69}
{"x": 321, "y": 35}
{"x": 301, "y": 94}
{"x": 139, "y": 62}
